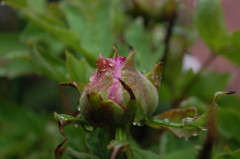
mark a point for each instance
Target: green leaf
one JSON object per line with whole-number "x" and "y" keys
{"x": 210, "y": 24}
{"x": 79, "y": 70}
{"x": 55, "y": 27}
{"x": 177, "y": 115}
{"x": 91, "y": 21}
{"x": 230, "y": 155}
{"x": 232, "y": 51}
{"x": 10, "y": 42}
{"x": 189, "y": 122}
{"x": 48, "y": 64}
{"x": 68, "y": 153}
{"x": 141, "y": 41}
{"x": 228, "y": 120}
{"x": 144, "y": 154}
{"x": 207, "y": 84}
{"x": 183, "y": 153}
{"x": 35, "y": 34}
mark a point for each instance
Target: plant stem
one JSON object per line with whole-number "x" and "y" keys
{"x": 171, "y": 23}
{"x": 121, "y": 143}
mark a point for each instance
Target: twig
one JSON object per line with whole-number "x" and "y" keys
{"x": 171, "y": 23}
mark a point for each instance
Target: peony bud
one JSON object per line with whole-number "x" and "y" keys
{"x": 117, "y": 93}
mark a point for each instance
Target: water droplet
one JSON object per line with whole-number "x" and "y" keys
{"x": 141, "y": 123}
{"x": 135, "y": 123}
{"x": 204, "y": 129}
{"x": 111, "y": 64}
{"x": 187, "y": 121}
{"x": 75, "y": 125}
{"x": 3, "y": 3}
{"x": 143, "y": 71}
{"x": 194, "y": 134}
{"x": 78, "y": 108}
{"x": 166, "y": 121}
{"x": 88, "y": 128}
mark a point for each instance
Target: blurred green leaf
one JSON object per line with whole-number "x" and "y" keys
{"x": 78, "y": 70}
{"x": 230, "y": 155}
{"x": 48, "y": 64}
{"x": 15, "y": 63}
{"x": 29, "y": 132}
{"x": 207, "y": 84}
{"x": 141, "y": 41}
{"x": 183, "y": 153}
{"x": 56, "y": 28}
{"x": 144, "y": 154}
{"x": 228, "y": 120}
{"x": 91, "y": 21}
{"x": 68, "y": 153}
{"x": 35, "y": 34}
{"x": 232, "y": 51}
{"x": 210, "y": 24}
{"x": 10, "y": 42}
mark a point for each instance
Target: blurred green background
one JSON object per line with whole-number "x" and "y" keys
{"x": 45, "y": 42}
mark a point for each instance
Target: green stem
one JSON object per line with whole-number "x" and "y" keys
{"x": 122, "y": 136}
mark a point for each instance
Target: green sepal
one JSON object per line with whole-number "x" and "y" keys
{"x": 65, "y": 118}
{"x": 79, "y": 86}
{"x": 155, "y": 75}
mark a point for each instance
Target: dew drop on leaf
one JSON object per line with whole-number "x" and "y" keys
{"x": 166, "y": 121}
{"x": 88, "y": 128}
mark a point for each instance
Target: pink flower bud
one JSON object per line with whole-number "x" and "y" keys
{"x": 117, "y": 93}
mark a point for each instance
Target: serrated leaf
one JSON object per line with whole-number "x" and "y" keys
{"x": 56, "y": 28}
{"x": 210, "y": 24}
{"x": 91, "y": 21}
{"x": 48, "y": 64}
{"x": 79, "y": 70}
{"x": 141, "y": 40}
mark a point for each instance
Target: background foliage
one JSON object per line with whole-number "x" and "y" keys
{"x": 60, "y": 41}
